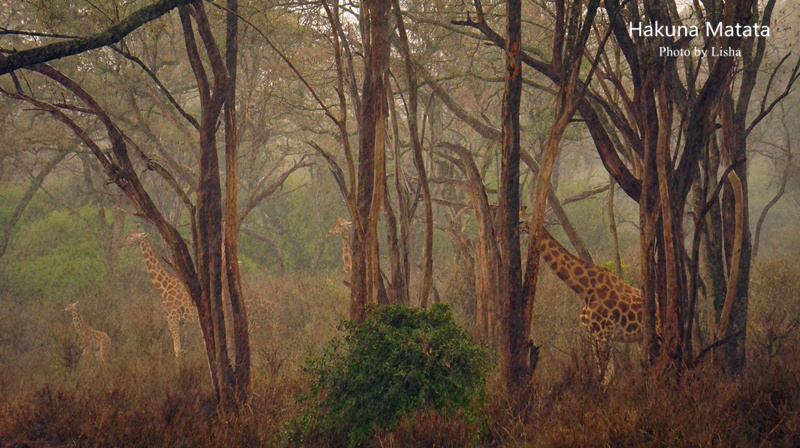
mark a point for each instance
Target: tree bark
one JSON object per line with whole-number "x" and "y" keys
{"x": 375, "y": 22}
{"x": 511, "y": 263}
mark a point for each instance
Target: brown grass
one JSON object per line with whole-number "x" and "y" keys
{"x": 143, "y": 397}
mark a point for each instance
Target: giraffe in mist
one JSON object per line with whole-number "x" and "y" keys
{"x": 91, "y": 341}
{"x": 343, "y": 227}
{"x": 176, "y": 302}
{"x": 612, "y": 310}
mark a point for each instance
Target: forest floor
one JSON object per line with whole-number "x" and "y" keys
{"x": 107, "y": 407}
{"x": 143, "y": 397}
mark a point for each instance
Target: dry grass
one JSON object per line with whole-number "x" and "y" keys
{"x": 143, "y": 397}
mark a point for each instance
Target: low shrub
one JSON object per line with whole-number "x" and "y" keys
{"x": 399, "y": 360}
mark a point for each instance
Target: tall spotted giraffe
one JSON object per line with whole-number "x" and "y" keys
{"x": 176, "y": 301}
{"x": 92, "y": 341}
{"x": 343, "y": 227}
{"x": 612, "y": 310}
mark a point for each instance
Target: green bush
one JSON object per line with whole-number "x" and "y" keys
{"x": 398, "y": 361}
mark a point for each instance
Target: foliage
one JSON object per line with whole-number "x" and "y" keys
{"x": 398, "y": 361}
{"x": 609, "y": 264}
{"x": 58, "y": 257}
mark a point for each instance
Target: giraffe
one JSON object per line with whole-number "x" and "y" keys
{"x": 343, "y": 227}
{"x": 93, "y": 341}
{"x": 176, "y": 301}
{"x": 612, "y": 310}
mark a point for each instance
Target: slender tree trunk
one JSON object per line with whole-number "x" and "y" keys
{"x": 671, "y": 214}
{"x": 511, "y": 279}
{"x": 241, "y": 334}
{"x": 612, "y": 227}
{"x": 736, "y": 233}
{"x": 778, "y": 195}
{"x": 487, "y": 256}
{"x": 8, "y": 228}
{"x": 419, "y": 163}
{"x": 402, "y": 279}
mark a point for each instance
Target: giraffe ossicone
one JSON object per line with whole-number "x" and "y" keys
{"x": 91, "y": 341}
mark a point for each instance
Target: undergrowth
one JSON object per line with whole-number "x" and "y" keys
{"x": 397, "y": 362}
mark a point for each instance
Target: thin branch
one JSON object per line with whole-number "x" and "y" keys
{"x": 161, "y": 87}
{"x": 111, "y": 35}
{"x": 789, "y": 84}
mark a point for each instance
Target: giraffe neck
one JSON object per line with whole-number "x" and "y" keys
{"x": 80, "y": 325}
{"x": 346, "y": 250}
{"x": 158, "y": 273}
{"x": 573, "y": 271}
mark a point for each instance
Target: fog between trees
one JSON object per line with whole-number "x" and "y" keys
{"x": 235, "y": 134}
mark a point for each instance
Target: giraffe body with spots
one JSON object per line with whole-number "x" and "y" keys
{"x": 612, "y": 309}
{"x": 91, "y": 341}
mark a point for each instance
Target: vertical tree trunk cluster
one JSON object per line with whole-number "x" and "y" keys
{"x": 366, "y": 278}
{"x": 662, "y": 169}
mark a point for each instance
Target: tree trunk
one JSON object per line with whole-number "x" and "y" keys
{"x": 612, "y": 227}
{"x": 419, "y": 163}
{"x": 232, "y": 273}
{"x": 511, "y": 267}
{"x": 374, "y": 22}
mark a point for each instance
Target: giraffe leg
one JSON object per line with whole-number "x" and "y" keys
{"x": 609, "y": 373}
{"x": 602, "y": 354}
{"x": 175, "y": 330}
{"x": 105, "y": 345}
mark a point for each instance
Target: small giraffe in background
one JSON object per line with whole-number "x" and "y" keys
{"x": 343, "y": 227}
{"x": 612, "y": 308}
{"x": 176, "y": 301}
{"x": 91, "y": 341}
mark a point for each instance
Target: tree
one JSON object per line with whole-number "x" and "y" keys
{"x": 203, "y": 274}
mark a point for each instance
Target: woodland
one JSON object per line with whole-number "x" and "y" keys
{"x": 399, "y": 223}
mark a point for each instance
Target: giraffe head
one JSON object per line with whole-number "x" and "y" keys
{"x": 134, "y": 238}
{"x": 340, "y": 226}
{"x": 72, "y": 306}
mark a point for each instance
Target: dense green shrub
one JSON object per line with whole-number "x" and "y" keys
{"x": 398, "y": 361}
